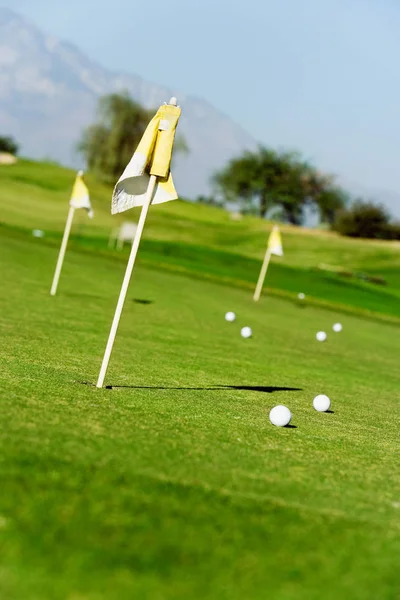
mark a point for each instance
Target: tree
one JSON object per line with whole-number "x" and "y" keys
{"x": 210, "y": 200}
{"x": 329, "y": 202}
{"x": 108, "y": 145}
{"x": 8, "y": 144}
{"x": 367, "y": 220}
{"x": 270, "y": 179}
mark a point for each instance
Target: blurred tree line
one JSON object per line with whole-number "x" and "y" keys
{"x": 265, "y": 182}
{"x": 9, "y": 145}
{"x": 367, "y": 220}
{"x": 266, "y": 179}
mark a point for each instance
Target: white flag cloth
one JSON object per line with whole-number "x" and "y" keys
{"x": 80, "y": 195}
{"x": 275, "y": 242}
{"x": 152, "y": 157}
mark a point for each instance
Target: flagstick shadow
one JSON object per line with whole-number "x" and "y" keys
{"x": 251, "y": 388}
{"x": 83, "y": 295}
{"x": 265, "y": 389}
{"x": 143, "y": 301}
{"x": 94, "y": 297}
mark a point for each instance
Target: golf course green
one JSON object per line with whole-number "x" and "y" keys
{"x": 172, "y": 484}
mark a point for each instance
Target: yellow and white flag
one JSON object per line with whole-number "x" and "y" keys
{"x": 152, "y": 157}
{"x": 275, "y": 242}
{"x": 80, "y": 195}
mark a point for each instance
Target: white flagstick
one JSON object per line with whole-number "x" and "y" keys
{"x": 263, "y": 273}
{"x": 62, "y": 250}
{"x": 125, "y": 284}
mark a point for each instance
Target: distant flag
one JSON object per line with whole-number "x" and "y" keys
{"x": 80, "y": 195}
{"x": 274, "y": 246}
{"x": 275, "y": 242}
{"x": 79, "y": 199}
{"x": 146, "y": 180}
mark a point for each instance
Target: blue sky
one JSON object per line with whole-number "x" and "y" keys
{"x": 320, "y": 76}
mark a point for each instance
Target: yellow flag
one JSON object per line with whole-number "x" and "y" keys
{"x": 152, "y": 157}
{"x": 80, "y": 195}
{"x": 275, "y": 242}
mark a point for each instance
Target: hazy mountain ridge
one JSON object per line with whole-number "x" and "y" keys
{"x": 48, "y": 94}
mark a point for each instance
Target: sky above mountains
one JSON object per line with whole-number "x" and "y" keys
{"x": 320, "y": 76}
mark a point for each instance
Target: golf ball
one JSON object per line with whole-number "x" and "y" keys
{"x": 230, "y": 316}
{"x": 321, "y": 403}
{"x": 337, "y": 327}
{"x": 280, "y": 416}
{"x": 246, "y": 332}
{"x": 321, "y": 336}
{"x": 301, "y": 296}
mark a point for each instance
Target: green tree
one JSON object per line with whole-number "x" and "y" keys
{"x": 108, "y": 145}
{"x": 8, "y": 144}
{"x": 268, "y": 179}
{"x": 367, "y": 220}
{"x": 210, "y": 200}
{"x": 330, "y": 202}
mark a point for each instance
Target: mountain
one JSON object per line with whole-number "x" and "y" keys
{"x": 49, "y": 91}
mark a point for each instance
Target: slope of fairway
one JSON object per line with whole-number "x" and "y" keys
{"x": 206, "y": 242}
{"x": 173, "y": 484}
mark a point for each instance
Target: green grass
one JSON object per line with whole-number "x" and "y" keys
{"x": 173, "y": 484}
{"x": 205, "y": 243}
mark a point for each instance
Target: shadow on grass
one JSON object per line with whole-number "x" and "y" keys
{"x": 256, "y": 388}
{"x": 82, "y": 295}
{"x": 143, "y": 301}
{"x": 251, "y": 388}
{"x": 96, "y": 297}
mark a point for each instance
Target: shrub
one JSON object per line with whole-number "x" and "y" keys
{"x": 367, "y": 220}
{"x": 8, "y": 144}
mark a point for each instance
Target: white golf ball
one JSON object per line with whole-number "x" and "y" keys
{"x": 246, "y": 332}
{"x": 280, "y": 416}
{"x": 301, "y": 296}
{"x": 230, "y": 316}
{"x": 38, "y": 233}
{"x": 337, "y": 327}
{"x": 321, "y": 403}
{"x": 321, "y": 336}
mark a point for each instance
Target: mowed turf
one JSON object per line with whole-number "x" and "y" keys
{"x": 173, "y": 484}
{"x": 206, "y": 242}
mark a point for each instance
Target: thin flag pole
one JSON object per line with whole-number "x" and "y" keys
{"x": 125, "y": 283}
{"x": 262, "y": 275}
{"x": 62, "y": 251}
